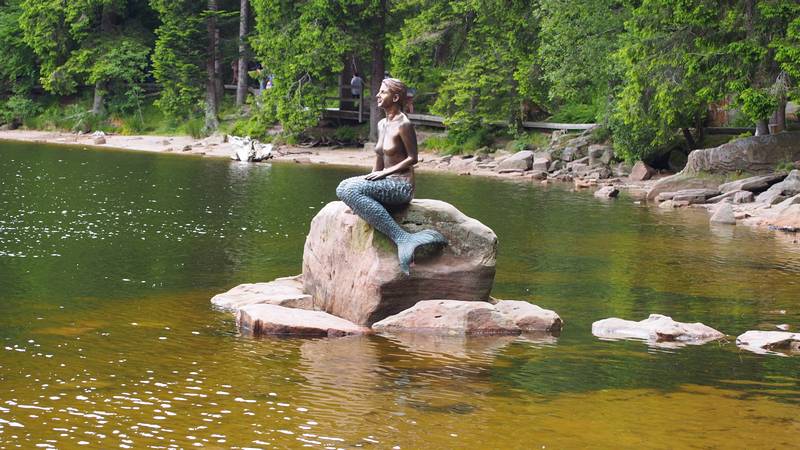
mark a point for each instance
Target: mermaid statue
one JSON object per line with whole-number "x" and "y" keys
{"x": 391, "y": 182}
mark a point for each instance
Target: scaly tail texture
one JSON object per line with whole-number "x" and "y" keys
{"x": 367, "y": 199}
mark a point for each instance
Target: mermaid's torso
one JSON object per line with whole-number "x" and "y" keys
{"x": 391, "y": 148}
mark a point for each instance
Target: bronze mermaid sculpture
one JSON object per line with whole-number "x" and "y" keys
{"x": 391, "y": 182}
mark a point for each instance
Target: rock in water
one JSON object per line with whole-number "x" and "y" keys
{"x": 656, "y": 328}
{"x": 352, "y": 271}
{"x": 286, "y": 292}
{"x": 724, "y": 214}
{"x": 449, "y": 317}
{"x": 529, "y": 317}
{"x": 263, "y": 319}
{"x": 770, "y": 341}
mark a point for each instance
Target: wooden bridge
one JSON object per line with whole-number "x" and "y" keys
{"x": 428, "y": 120}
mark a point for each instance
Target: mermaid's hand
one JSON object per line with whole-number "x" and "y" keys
{"x": 376, "y": 175}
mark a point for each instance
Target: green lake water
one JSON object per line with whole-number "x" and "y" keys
{"x": 108, "y": 339}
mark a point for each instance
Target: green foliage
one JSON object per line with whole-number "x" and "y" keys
{"x": 575, "y": 113}
{"x": 194, "y": 127}
{"x": 19, "y": 70}
{"x": 179, "y": 55}
{"x": 17, "y": 109}
{"x": 757, "y": 104}
{"x": 578, "y": 38}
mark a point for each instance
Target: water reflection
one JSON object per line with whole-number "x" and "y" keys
{"x": 107, "y": 338}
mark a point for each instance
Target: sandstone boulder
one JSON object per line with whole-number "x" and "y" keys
{"x": 753, "y": 184}
{"x": 655, "y": 328}
{"x": 680, "y": 182}
{"x": 769, "y": 342}
{"x": 758, "y": 154}
{"x": 540, "y": 164}
{"x": 788, "y": 219}
{"x": 600, "y": 154}
{"x": 641, "y": 172}
{"x": 529, "y": 317}
{"x": 352, "y": 271}
{"x": 286, "y": 292}
{"x": 449, "y": 317}
{"x": 263, "y": 319}
{"x": 520, "y": 160}
{"x": 724, "y": 214}
{"x": 694, "y": 196}
{"x": 606, "y": 192}
{"x": 743, "y": 197}
{"x": 789, "y": 187}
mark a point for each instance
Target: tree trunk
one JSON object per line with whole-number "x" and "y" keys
{"x": 687, "y": 134}
{"x": 241, "y": 85}
{"x": 762, "y": 127}
{"x": 212, "y": 108}
{"x": 378, "y": 68}
{"x": 779, "y": 118}
{"x": 345, "y": 93}
{"x": 98, "y": 107}
{"x": 106, "y": 27}
{"x": 220, "y": 87}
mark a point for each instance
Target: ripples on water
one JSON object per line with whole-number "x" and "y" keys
{"x": 108, "y": 260}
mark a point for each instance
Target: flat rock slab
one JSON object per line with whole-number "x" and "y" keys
{"x": 263, "y": 319}
{"x": 764, "y": 342}
{"x": 694, "y": 195}
{"x": 529, "y": 317}
{"x": 754, "y": 184}
{"x": 657, "y": 328}
{"x": 522, "y": 160}
{"x": 352, "y": 271}
{"x": 449, "y": 317}
{"x": 286, "y": 292}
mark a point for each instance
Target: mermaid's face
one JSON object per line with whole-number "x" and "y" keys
{"x": 385, "y": 96}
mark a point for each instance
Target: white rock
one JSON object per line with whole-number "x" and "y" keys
{"x": 286, "y": 292}
{"x": 764, "y": 342}
{"x": 656, "y": 328}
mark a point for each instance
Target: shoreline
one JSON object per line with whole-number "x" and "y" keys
{"x": 215, "y": 147}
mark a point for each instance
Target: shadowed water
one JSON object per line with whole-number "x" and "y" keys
{"x": 108, "y": 261}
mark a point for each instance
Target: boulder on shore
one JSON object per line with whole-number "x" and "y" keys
{"x": 263, "y": 319}
{"x": 352, "y": 271}
{"x": 769, "y": 342}
{"x": 449, "y": 317}
{"x": 287, "y": 291}
{"x": 521, "y": 160}
{"x": 656, "y": 328}
{"x": 757, "y": 154}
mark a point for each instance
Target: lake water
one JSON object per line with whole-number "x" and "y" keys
{"x": 108, "y": 261}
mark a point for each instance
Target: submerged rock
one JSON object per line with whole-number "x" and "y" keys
{"x": 263, "y": 319}
{"x": 657, "y": 328}
{"x": 450, "y": 317}
{"x": 769, "y": 342}
{"x": 352, "y": 271}
{"x": 286, "y": 292}
{"x": 606, "y": 192}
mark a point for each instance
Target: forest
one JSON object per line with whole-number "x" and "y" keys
{"x": 646, "y": 71}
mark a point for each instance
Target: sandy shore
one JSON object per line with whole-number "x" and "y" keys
{"x": 213, "y": 147}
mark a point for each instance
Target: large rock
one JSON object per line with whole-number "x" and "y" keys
{"x": 758, "y": 154}
{"x": 263, "y": 319}
{"x": 680, "y": 182}
{"x": 352, "y": 271}
{"x": 449, "y": 317}
{"x": 520, "y": 160}
{"x": 788, "y": 219}
{"x": 724, "y": 214}
{"x": 694, "y": 196}
{"x": 769, "y": 341}
{"x": 529, "y": 317}
{"x": 789, "y": 187}
{"x": 286, "y": 292}
{"x": 641, "y": 172}
{"x": 655, "y": 328}
{"x": 540, "y": 164}
{"x": 753, "y": 184}
{"x": 606, "y": 192}
{"x": 600, "y": 154}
